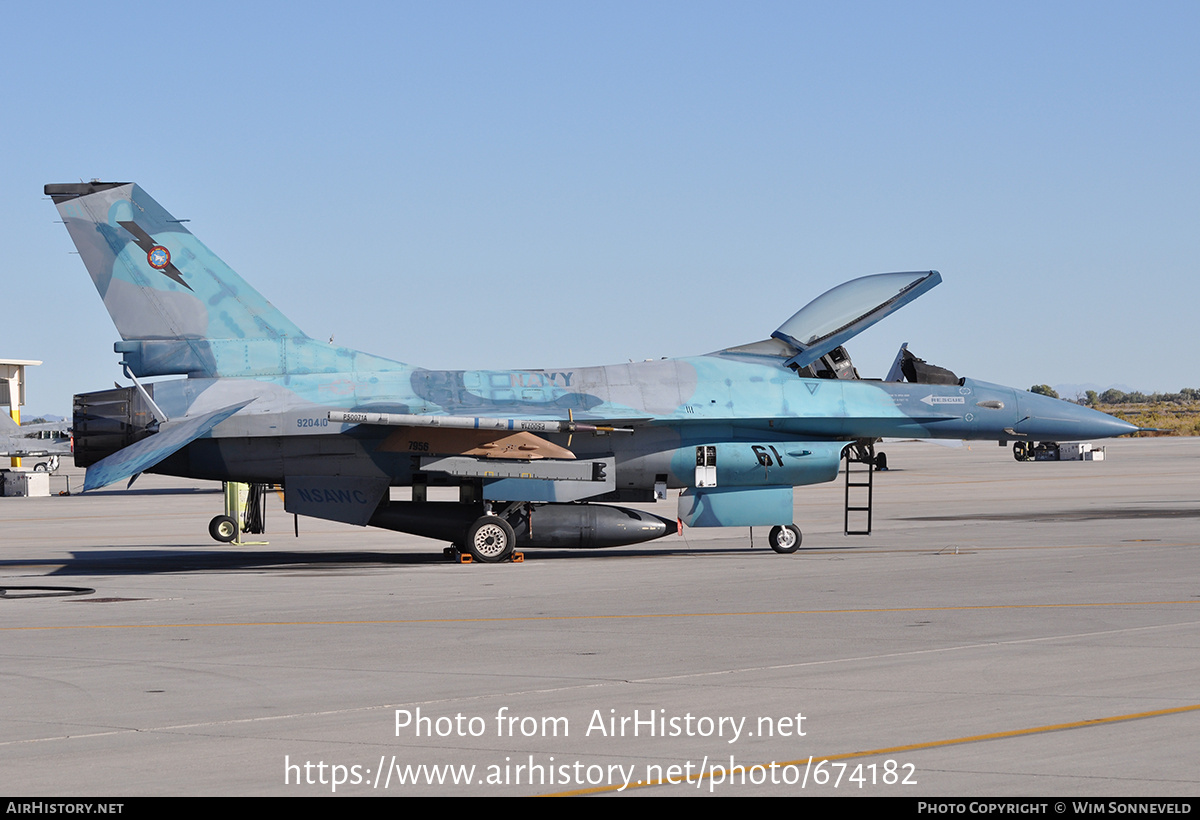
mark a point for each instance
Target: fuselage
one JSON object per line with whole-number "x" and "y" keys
{"x": 673, "y": 405}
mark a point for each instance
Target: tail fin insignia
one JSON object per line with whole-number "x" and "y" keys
{"x": 157, "y": 256}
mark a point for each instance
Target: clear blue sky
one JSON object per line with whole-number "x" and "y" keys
{"x": 509, "y": 184}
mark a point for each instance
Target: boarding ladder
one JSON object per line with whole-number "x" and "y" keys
{"x": 860, "y": 482}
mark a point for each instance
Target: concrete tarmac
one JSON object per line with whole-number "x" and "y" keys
{"x": 1010, "y": 629}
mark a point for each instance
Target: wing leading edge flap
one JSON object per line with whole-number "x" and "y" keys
{"x": 144, "y": 454}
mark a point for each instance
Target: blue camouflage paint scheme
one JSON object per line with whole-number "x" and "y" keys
{"x": 197, "y": 317}
{"x": 736, "y": 506}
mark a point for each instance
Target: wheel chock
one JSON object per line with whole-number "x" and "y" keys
{"x": 465, "y": 557}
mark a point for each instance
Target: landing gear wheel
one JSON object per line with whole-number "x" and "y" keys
{"x": 785, "y": 540}
{"x": 1022, "y": 451}
{"x": 41, "y": 467}
{"x": 223, "y": 528}
{"x": 490, "y": 539}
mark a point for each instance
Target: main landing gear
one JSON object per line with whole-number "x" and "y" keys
{"x": 1036, "y": 451}
{"x": 490, "y": 539}
{"x": 785, "y": 540}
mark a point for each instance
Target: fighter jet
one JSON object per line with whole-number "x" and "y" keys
{"x": 47, "y": 441}
{"x": 536, "y": 455}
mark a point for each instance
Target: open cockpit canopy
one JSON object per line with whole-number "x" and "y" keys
{"x": 839, "y": 314}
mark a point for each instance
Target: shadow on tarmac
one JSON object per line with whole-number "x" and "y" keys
{"x": 124, "y": 561}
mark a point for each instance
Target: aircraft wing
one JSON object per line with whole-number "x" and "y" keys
{"x": 142, "y": 455}
{"x": 510, "y": 453}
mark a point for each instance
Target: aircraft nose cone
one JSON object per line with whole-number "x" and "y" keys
{"x": 1047, "y": 419}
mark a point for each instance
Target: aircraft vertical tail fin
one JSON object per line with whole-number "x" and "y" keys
{"x": 178, "y": 307}
{"x": 7, "y": 425}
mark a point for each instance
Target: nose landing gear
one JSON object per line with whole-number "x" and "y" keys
{"x": 785, "y": 540}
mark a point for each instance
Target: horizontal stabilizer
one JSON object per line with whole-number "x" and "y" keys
{"x": 144, "y": 454}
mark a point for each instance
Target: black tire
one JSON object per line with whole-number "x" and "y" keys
{"x": 785, "y": 540}
{"x": 490, "y": 539}
{"x": 223, "y": 528}
{"x": 1021, "y": 451}
{"x": 41, "y": 467}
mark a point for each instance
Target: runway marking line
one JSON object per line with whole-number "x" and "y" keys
{"x": 768, "y": 613}
{"x": 911, "y": 747}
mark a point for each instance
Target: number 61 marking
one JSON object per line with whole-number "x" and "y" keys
{"x": 764, "y": 458}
